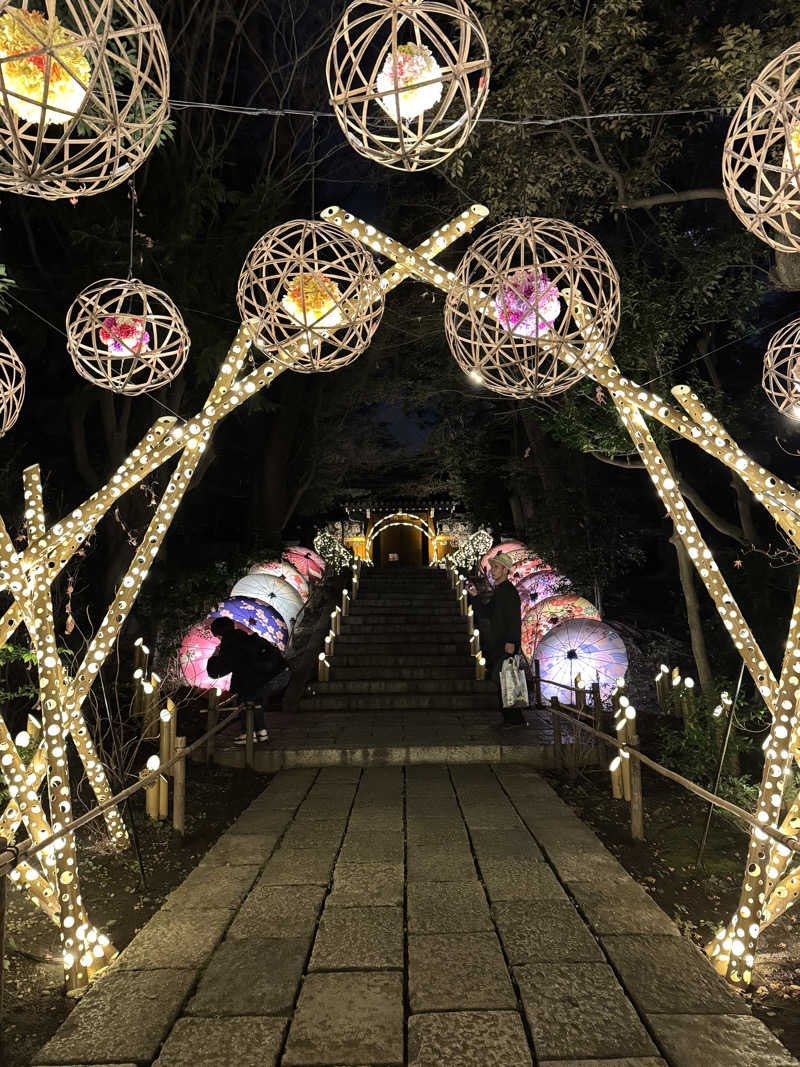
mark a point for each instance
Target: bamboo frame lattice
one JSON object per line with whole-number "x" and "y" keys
{"x": 312, "y": 292}
{"x": 761, "y": 156}
{"x": 781, "y": 376}
{"x": 12, "y": 385}
{"x": 381, "y": 115}
{"x": 53, "y": 884}
{"x": 83, "y": 100}
{"x": 126, "y": 336}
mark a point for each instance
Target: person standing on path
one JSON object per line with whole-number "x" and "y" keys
{"x": 504, "y": 636}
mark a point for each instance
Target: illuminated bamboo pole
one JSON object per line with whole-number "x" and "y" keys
{"x": 24, "y": 806}
{"x": 615, "y": 769}
{"x": 179, "y": 789}
{"x": 323, "y": 668}
{"x": 37, "y": 888}
{"x": 480, "y": 667}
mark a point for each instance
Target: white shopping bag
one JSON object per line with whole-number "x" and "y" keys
{"x": 513, "y": 687}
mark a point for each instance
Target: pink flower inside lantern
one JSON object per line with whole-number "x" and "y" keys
{"x": 124, "y": 335}
{"x": 528, "y": 304}
{"x": 413, "y": 70}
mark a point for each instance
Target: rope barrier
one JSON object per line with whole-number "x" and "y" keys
{"x": 698, "y": 790}
{"x": 12, "y": 854}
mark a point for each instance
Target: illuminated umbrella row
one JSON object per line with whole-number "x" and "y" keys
{"x": 266, "y": 602}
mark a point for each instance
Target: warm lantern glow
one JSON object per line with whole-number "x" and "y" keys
{"x": 313, "y": 300}
{"x": 409, "y": 69}
{"x": 123, "y": 334}
{"x": 50, "y": 69}
{"x": 528, "y": 304}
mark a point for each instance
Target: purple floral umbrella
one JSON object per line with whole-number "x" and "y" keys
{"x": 261, "y": 619}
{"x": 585, "y": 647}
{"x": 539, "y": 586}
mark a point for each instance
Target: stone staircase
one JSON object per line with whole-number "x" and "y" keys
{"x": 403, "y": 647}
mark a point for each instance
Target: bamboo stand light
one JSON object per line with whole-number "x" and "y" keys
{"x": 311, "y": 295}
{"x": 510, "y": 314}
{"x": 83, "y": 95}
{"x": 408, "y": 79}
{"x": 781, "y": 376}
{"x": 126, "y": 336}
{"x": 761, "y": 157}
{"x": 12, "y": 385}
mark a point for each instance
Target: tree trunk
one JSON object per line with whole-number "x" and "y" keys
{"x": 696, "y": 633}
{"x": 279, "y": 448}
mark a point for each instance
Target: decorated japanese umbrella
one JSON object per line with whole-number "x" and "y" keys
{"x": 504, "y": 546}
{"x": 197, "y": 648}
{"x": 310, "y": 564}
{"x": 275, "y": 592}
{"x": 281, "y": 569}
{"x": 546, "y": 614}
{"x": 585, "y": 647}
{"x": 539, "y": 586}
{"x": 525, "y": 568}
{"x": 258, "y": 618}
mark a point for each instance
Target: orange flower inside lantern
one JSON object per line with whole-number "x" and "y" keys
{"x": 313, "y": 300}
{"x": 43, "y": 72}
{"x": 403, "y": 80}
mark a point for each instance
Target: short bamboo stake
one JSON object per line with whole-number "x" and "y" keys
{"x": 345, "y": 602}
{"x": 475, "y": 642}
{"x": 330, "y": 641}
{"x": 213, "y": 719}
{"x": 164, "y": 738}
{"x": 597, "y": 706}
{"x": 558, "y": 755}
{"x": 150, "y": 796}
{"x": 637, "y": 801}
{"x": 480, "y": 667}
{"x": 336, "y": 615}
{"x": 615, "y": 767}
{"x": 470, "y": 619}
{"x": 249, "y": 745}
{"x": 163, "y": 796}
{"x": 580, "y": 694}
{"x": 537, "y": 684}
{"x": 179, "y": 789}
{"x": 323, "y": 668}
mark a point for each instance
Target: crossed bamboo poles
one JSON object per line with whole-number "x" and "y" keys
{"x": 769, "y": 885}
{"x": 28, "y": 575}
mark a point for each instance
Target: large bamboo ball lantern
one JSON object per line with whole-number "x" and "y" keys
{"x": 312, "y": 296}
{"x": 126, "y": 336}
{"x": 83, "y": 94}
{"x": 761, "y": 157}
{"x": 408, "y": 79}
{"x": 781, "y": 377}
{"x": 531, "y": 299}
{"x": 12, "y": 385}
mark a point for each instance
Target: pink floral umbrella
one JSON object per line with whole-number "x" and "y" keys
{"x": 539, "y": 586}
{"x": 545, "y": 615}
{"x": 197, "y": 648}
{"x": 310, "y": 564}
{"x": 279, "y": 568}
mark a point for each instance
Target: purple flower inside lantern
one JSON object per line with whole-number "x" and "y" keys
{"x": 528, "y": 304}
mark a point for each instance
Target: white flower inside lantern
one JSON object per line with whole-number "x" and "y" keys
{"x": 124, "y": 334}
{"x": 44, "y": 72}
{"x": 528, "y": 304}
{"x": 411, "y": 81}
{"x": 791, "y": 157}
{"x": 313, "y": 300}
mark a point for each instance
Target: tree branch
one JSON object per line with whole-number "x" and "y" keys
{"x": 730, "y": 529}
{"x": 674, "y": 198}
{"x": 616, "y": 461}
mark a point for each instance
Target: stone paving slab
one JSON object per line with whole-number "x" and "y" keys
{"x": 580, "y": 1010}
{"x": 258, "y": 976}
{"x": 458, "y": 972}
{"x": 721, "y": 1040}
{"x": 241, "y": 850}
{"x": 649, "y": 966}
{"x": 347, "y": 1019}
{"x": 252, "y": 1041}
{"x": 297, "y": 867}
{"x": 628, "y": 1061}
{"x": 621, "y": 909}
{"x": 313, "y": 834}
{"x": 368, "y": 847}
{"x": 205, "y": 889}
{"x": 175, "y": 939}
{"x": 358, "y": 938}
{"x": 447, "y": 908}
{"x": 550, "y": 931}
{"x": 362, "y": 884}
{"x": 501, "y": 844}
{"x": 469, "y": 1039}
{"x": 125, "y": 1016}
{"x": 520, "y": 879}
{"x": 430, "y": 863}
{"x": 278, "y": 911}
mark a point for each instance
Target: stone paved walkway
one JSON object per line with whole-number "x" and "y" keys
{"x": 433, "y": 916}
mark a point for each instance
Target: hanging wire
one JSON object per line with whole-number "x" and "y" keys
{"x": 313, "y": 166}
{"x": 132, "y": 195}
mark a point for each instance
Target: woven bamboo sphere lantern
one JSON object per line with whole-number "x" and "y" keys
{"x": 408, "y": 79}
{"x": 312, "y": 296}
{"x": 83, "y": 94}
{"x": 530, "y": 299}
{"x": 12, "y": 385}
{"x": 781, "y": 376}
{"x": 126, "y": 336}
{"x": 761, "y": 157}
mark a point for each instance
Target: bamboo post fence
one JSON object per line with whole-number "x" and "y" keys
{"x": 480, "y": 666}
{"x": 323, "y": 668}
{"x": 179, "y": 788}
{"x": 213, "y": 716}
{"x": 249, "y": 745}
{"x": 558, "y": 755}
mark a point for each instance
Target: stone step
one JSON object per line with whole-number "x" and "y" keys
{"x": 404, "y": 644}
{"x": 406, "y": 624}
{"x": 400, "y": 702}
{"x": 405, "y": 611}
{"x": 423, "y": 661}
{"x": 436, "y": 669}
{"x": 364, "y": 606}
{"x": 403, "y": 685}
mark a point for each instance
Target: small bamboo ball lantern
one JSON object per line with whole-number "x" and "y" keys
{"x": 312, "y": 295}
{"x": 12, "y": 385}
{"x": 531, "y": 298}
{"x": 781, "y": 376}
{"x": 761, "y": 157}
{"x": 126, "y": 336}
{"x": 83, "y": 95}
{"x": 408, "y": 79}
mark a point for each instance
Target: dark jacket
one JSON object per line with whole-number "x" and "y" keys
{"x": 251, "y": 661}
{"x": 505, "y": 621}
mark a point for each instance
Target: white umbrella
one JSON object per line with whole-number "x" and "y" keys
{"x": 281, "y": 569}
{"x": 273, "y": 591}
